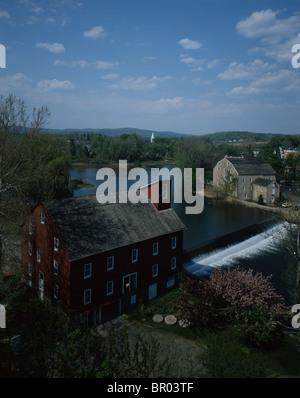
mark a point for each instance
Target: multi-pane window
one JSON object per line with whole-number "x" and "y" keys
{"x": 154, "y": 270}
{"x": 129, "y": 282}
{"x": 30, "y": 227}
{"x": 30, "y": 249}
{"x": 155, "y": 248}
{"x": 173, "y": 262}
{"x": 87, "y": 296}
{"x": 165, "y": 191}
{"x": 134, "y": 255}
{"x": 55, "y": 267}
{"x": 38, "y": 255}
{"x": 109, "y": 287}
{"x": 56, "y": 244}
{"x": 30, "y": 269}
{"x": 87, "y": 270}
{"x": 173, "y": 242}
{"x": 110, "y": 263}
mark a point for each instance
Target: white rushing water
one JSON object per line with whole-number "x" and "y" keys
{"x": 265, "y": 242}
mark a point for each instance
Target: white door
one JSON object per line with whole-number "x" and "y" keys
{"x": 152, "y": 291}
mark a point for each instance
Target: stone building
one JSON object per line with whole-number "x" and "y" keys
{"x": 246, "y": 179}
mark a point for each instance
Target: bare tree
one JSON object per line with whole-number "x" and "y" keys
{"x": 17, "y": 133}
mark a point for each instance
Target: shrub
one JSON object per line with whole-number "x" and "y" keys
{"x": 259, "y": 327}
{"x": 225, "y": 357}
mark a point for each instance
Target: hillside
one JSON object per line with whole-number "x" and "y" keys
{"x": 118, "y": 131}
{"x": 222, "y": 136}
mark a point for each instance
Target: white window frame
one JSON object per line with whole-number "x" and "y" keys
{"x": 87, "y": 270}
{"x": 87, "y": 296}
{"x": 173, "y": 263}
{"x": 154, "y": 270}
{"x": 30, "y": 248}
{"x": 165, "y": 191}
{"x": 30, "y": 269}
{"x": 155, "y": 248}
{"x": 173, "y": 242}
{"x": 109, "y": 288}
{"x": 134, "y": 255}
{"x": 55, "y": 267}
{"x": 132, "y": 283}
{"x": 110, "y": 263}
{"x": 38, "y": 255}
{"x": 56, "y": 244}
{"x": 30, "y": 229}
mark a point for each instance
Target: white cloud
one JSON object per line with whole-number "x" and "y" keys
{"x": 53, "y": 48}
{"x": 95, "y": 32}
{"x": 212, "y": 64}
{"x": 32, "y": 20}
{"x": 18, "y": 81}
{"x": 189, "y": 44}
{"x": 270, "y": 83}
{"x": 105, "y": 64}
{"x": 4, "y": 14}
{"x": 50, "y": 21}
{"x": 240, "y": 71}
{"x": 266, "y": 26}
{"x": 59, "y": 62}
{"x": 50, "y": 85}
{"x": 38, "y": 10}
{"x": 110, "y": 76}
{"x": 82, "y": 63}
{"x": 138, "y": 83}
{"x": 194, "y": 64}
{"x": 169, "y": 103}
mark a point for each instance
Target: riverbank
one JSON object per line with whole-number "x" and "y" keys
{"x": 210, "y": 193}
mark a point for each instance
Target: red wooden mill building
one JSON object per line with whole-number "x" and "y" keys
{"x": 99, "y": 259}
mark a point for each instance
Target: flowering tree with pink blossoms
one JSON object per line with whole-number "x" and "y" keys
{"x": 226, "y": 295}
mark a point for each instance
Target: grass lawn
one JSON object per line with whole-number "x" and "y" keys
{"x": 284, "y": 359}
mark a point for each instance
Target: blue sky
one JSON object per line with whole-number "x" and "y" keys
{"x": 188, "y": 66}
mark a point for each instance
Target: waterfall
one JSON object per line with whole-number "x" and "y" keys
{"x": 264, "y": 242}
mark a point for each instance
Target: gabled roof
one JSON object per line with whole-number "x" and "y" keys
{"x": 251, "y": 166}
{"x": 263, "y": 182}
{"x": 87, "y": 227}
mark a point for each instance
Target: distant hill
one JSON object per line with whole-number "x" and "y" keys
{"x": 118, "y": 131}
{"x": 235, "y": 136}
{"x": 222, "y": 136}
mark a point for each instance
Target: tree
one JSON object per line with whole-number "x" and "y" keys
{"x": 226, "y": 294}
{"x": 17, "y": 133}
{"x": 290, "y": 239}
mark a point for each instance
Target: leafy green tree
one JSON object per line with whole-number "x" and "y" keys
{"x": 260, "y": 327}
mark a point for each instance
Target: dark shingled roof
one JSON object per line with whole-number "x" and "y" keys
{"x": 263, "y": 182}
{"x": 87, "y": 227}
{"x": 251, "y": 166}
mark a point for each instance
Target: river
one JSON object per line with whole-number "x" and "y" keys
{"x": 223, "y": 236}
